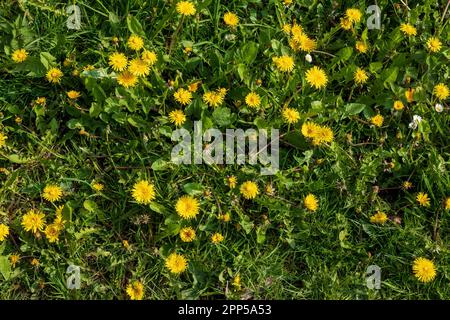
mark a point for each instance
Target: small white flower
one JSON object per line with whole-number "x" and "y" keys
{"x": 415, "y": 122}
{"x": 230, "y": 37}
{"x": 308, "y": 58}
{"x": 439, "y": 107}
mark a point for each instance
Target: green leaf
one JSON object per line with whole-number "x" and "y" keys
{"x": 222, "y": 116}
{"x": 160, "y": 164}
{"x": 390, "y": 75}
{"x": 354, "y": 108}
{"x": 193, "y": 188}
{"x": 90, "y": 205}
{"x": 16, "y": 158}
{"x": 47, "y": 60}
{"x": 249, "y": 52}
{"x": 134, "y": 26}
{"x": 5, "y": 267}
{"x": 345, "y": 53}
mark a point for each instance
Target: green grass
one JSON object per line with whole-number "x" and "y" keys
{"x": 280, "y": 250}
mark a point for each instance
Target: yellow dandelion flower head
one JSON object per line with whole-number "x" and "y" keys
{"x": 424, "y": 269}
{"x": 407, "y": 185}
{"x": 377, "y": 120}
{"x": 346, "y": 23}
{"x": 72, "y": 94}
{"x": 149, "y": 57}
{"x": 217, "y": 238}
{"x": 3, "y": 138}
{"x": 249, "y": 190}
{"x": 441, "y": 91}
{"x": 52, "y": 233}
{"x": 253, "y": 100}
{"x": 118, "y": 61}
{"x": 287, "y": 28}
{"x": 423, "y": 199}
{"x": 408, "y": 29}
{"x": 398, "y": 105}
{"x": 213, "y": 99}
{"x": 33, "y": 221}
{"x": 193, "y": 87}
{"x": 309, "y": 129}
{"x": 19, "y": 55}
{"x": 361, "y": 46}
{"x": 143, "y": 192}
{"x": 97, "y": 186}
{"x": 353, "y": 14}
{"x": 127, "y": 79}
{"x": 135, "y": 42}
{"x": 434, "y": 44}
{"x": 409, "y": 95}
{"x": 177, "y": 117}
{"x": 447, "y": 203}
{"x": 232, "y": 181}
{"x": 316, "y": 77}
{"x": 4, "y": 231}
{"x": 139, "y": 67}
{"x": 186, "y": 8}
{"x": 290, "y": 115}
{"x": 237, "y": 282}
{"x": 360, "y": 76}
{"x": 187, "y": 234}
{"x": 224, "y": 217}
{"x": 52, "y": 192}
{"x": 187, "y": 207}
{"x": 54, "y": 75}
{"x": 231, "y": 19}
{"x": 35, "y": 262}
{"x": 176, "y": 263}
{"x": 135, "y": 290}
{"x": 311, "y": 203}
{"x": 183, "y": 96}
{"x": 296, "y": 30}
{"x": 40, "y": 101}
{"x": 323, "y": 134}
{"x": 284, "y": 63}
{"x": 379, "y": 217}
{"x": 13, "y": 259}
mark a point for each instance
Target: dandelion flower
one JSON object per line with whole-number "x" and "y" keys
{"x": 309, "y": 129}
{"x": 284, "y": 63}
{"x": 409, "y": 95}
{"x": 249, "y": 190}
{"x": 231, "y": 19}
{"x": 52, "y": 233}
{"x": 176, "y": 263}
{"x": 424, "y": 269}
{"x": 232, "y": 181}
{"x": 354, "y": 15}
{"x": 316, "y": 77}
{"x": 323, "y": 134}
{"x": 379, "y": 217}
{"x": 253, "y": 100}
{"x": 187, "y": 207}
{"x": 127, "y": 79}
{"x": 52, "y": 193}
{"x": 213, "y": 99}
{"x": 149, "y": 57}
{"x": 441, "y": 91}
{"x": 177, "y": 117}
{"x": 135, "y": 290}
{"x": 13, "y": 259}
{"x": 398, "y": 105}
{"x": 224, "y": 217}
{"x": 135, "y": 42}
{"x": 186, "y": 8}
{"x": 118, "y": 61}
{"x": 4, "y": 231}
{"x": 183, "y": 96}
{"x": 346, "y": 24}
{"x": 143, "y": 192}
{"x": 361, "y": 46}
{"x": 311, "y": 203}
{"x": 408, "y": 29}
{"x": 72, "y": 94}
{"x": 423, "y": 199}
{"x": 237, "y": 282}
{"x": 193, "y": 87}
{"x": 3, "y": 138}
{"x": 377, "y": 120}
{"x": 447, "y": 203}
{"x": 217, "y": 238}
{"x": 360, "y": 76}
{"x": 187, "y": 234}
{"x": 287, "y": 28}
{"x": 54, "y": 75}
{"x": 290, "y": 115}
{"x": 139, "y": 67}
{"x": 97, "y": 186}
{"x": 19, "y": 55}
{"x": 407, "y": 185}
{"x": 33, "y": 221}
{"x": 35, "y": 262}
{"x": 434, "y": 44}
